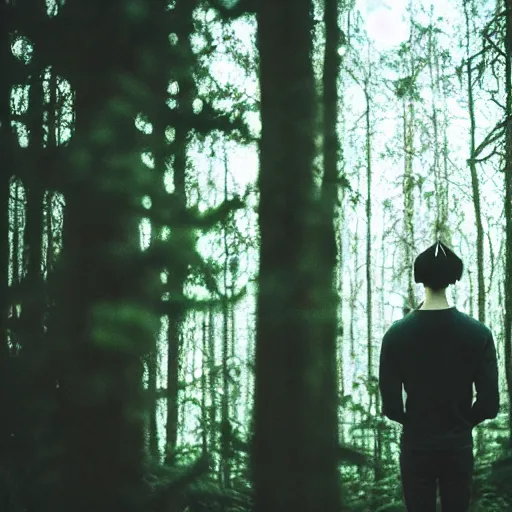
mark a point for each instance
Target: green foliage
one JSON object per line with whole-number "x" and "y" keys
{"x": 124, "y": 327}
{"x": 406, "y": 87}
{"x": 136, "y": 10}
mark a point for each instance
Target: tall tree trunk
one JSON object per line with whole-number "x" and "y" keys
{"x": 475, "y": 185}
{"x": 508, "y": 211}
{"x": 152, "y": 425}
{"x": 441, "y": 223}
{"x": 369, "y": 280}
{"x": 369, "y": 284}
{"x": 204, "y": 386}
{"x": 183, "y": 28}
{"x": 33, "y": 305}
{"x": 212, "y": 380}
{"x": 105, "y": 326}
{"x": 7, "y": 143}
{"x": 225, "y": 420}
{"x": 341, "y": 253}
{"x": 341, "y": 288}
{"x": 293, "y": 453}
{"x": 37, "y": 375}
{"x": 408, "y": 189}
{"x": 329, "y": 299}
{"x": 445, "y": 186}
{"x": 161, "y": 152}
{"x": 409, "y": 126}
{"x": 354, "y": 284}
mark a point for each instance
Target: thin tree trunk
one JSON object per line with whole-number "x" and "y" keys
{"x": 18, "y": 213}
{"x": 33, "y": 305}
{"x": 441, "y": 72}
{"x": 408, "y": 183}
{"x": 204, "y": 386}
{"x": 408, "y": 129}
{"x": 225, "y": 418}
{"x": 440, "y": 224}
{"x": 341, "y": 272}
{"x": 212, "y": 381}
{"x": 161, "y": 152}
{"x": 183, "y": 29}
{"x": 354, "y": 283}
{"x": 152, "y": 368}
{"x": 475, "y": 185}
{"x": 369, "y": 284}
{"x": 341, "y": 288}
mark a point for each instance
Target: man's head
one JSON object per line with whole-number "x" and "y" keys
{"x": 437, "y": 267}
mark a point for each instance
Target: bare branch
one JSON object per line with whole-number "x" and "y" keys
{"x": 494, "y": 100}
{"x": 495, "y": 46}
{"x": 484, "y": 159}
{"x": 481, "y": 52}
{"x": 493, "y": 136}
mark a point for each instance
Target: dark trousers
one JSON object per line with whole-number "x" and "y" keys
{"x": 421, "y": 471}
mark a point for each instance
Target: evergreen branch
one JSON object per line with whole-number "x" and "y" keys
{"x": 240, "y": 9}
{"x": 191, "y": 218}
{"x": 183, "y": 303}
{"x": 211, "y": 119}
{"x": 213, "y": 216}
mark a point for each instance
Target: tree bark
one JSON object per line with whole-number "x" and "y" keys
{"x": 508, "y": 211}
{"x": 475, "y": 185}
{"x": 329, "y": 299}
{"x": 106, "y": 325}
{"x": 292, "y": 452}
{"x": 369, "y": 283}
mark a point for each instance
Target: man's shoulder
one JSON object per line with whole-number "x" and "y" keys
{"x": 473, "y": 324}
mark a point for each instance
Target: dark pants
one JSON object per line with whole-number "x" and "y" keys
{"x": 422, "y": 470}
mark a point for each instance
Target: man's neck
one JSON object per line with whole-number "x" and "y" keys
{"x": 435, "y": 300}
{"x": 427, "y": 305}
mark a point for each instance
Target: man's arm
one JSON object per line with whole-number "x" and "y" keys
{"x": 487, "y": 402}
{"x": 390, "y": 382}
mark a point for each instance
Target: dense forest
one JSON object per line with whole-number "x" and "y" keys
{"x": 209, "y": 213}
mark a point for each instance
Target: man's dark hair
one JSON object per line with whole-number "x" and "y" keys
{"x": 437, "y": 267}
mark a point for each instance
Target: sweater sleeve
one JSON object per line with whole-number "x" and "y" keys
{"x": 487, "y": 402}
{"x": 390, "y": 382}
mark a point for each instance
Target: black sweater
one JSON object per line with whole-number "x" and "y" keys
{"x": 437, "y": 355}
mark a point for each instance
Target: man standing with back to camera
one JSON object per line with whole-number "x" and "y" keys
{"x": 437, "y": 353}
